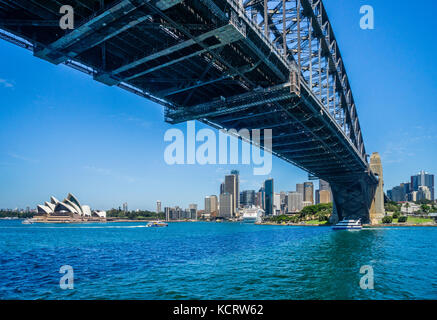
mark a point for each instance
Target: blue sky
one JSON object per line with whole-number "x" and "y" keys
{"x": 63, "y": 132}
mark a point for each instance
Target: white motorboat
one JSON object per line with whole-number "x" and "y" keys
{"x": 348, "y": 225}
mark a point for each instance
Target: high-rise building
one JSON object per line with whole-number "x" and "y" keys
{"x": 423, "y": 179}
{"x": 125, "y": 207}
{"x": 308, "y": 195}
{"x": 236, "y": 173}
{"x": 324, "y": 196}
{"x": 158, "y": 206}
{"x": 423, "y": 194}
{"x": 324, "y": 185}
{"x": 300, "y": 188}
{"x": 231, "y": 188}
{"x": 284, "y": 202}
{"x": 247, "y": 198}
{"x": 193, "y": 211}
{"x": 211, "y": 204}
{"x": 295, "y": 202}
{"x": 269, "y": 197}
{"x": 222, "y": 188}
{"x": 260, "y": 198}
{"x": 398, "y": 194}
{"x": 226, "y": 209}
{"x": 277, "y": 204}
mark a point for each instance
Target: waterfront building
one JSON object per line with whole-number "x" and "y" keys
{"x": 69, "y": 207}
{"x": 283, "y": 197}
{"x": 193, "y": 211}
{"x": 269, "y": 197}
{"x": 295, "y": 202}
{"x": 308, "y": 195}
{"x": 247, "y": 198}
{"x": 158, "y": 206}
{"x": 423, "y": 179}
{"x": 226, "y": 209}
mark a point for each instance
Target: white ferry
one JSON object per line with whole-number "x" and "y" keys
{"x": 27, "y": 221}
{"x": 348, "y": 225}
{"x": 157, "y": 224}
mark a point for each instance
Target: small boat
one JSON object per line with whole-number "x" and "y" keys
{"x": 27, "y": 221}
{"x": 348, "y": 225}
{"x": 157, "y": 224}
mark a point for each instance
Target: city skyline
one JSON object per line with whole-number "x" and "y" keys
{"x": 118, "y": 137}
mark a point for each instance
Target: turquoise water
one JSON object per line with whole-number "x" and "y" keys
{"x": 215, "y": 261}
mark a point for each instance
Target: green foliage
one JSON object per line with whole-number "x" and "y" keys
{"x": 135, "y": 215}
{"x": 21, "y": 215}
{"x": 392, "y": 207}
{"x": 319, "y": 212}
{"x": 402, "y": 219}
{"x": 425, "y": 208}
{"x": 396, "y": 215}
{"x": 387, "y": 219}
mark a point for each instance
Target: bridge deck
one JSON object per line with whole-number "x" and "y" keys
{"x": 208, "y": 60}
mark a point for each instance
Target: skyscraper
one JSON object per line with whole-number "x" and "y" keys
{"x": 237, "y": 188}
{"x": 295, "y": 202}
{"x": 269, "y": 197}
{"x": 308, "y": 195}
{"x": 211, "y": 204}
{"x": 300, "y": 188}
{"x": 247, "y": 198}
{"x": 231, "y": 188}
{"x": 226, "y": 209}
{"x": 423, "y": 179}
{"x": 260, "y": 198}
{"x": 158, "y": 206}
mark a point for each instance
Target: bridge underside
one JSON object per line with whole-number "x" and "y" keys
{"x": 215, "y": 61}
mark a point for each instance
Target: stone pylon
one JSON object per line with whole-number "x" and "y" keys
{"x": 377, "y": 211}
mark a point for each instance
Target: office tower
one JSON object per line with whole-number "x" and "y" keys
{"x": 247, "y": 198}
{"x": 231, "y": 188}
{"x": 226, "y": 209}
{"x": 269, "y": 197}
{"x": 300, "y": 188}
{"x": 158, "y": 206}
{"x": 398, "y": 193}
{"x": 295, "y": 202}
{"x": 167, "y": 213}
{"x": 284, "y": 203}
{"x": 236, "y": 173}
{"x": 423, "y": 179}
{"x": 260, "y": 198}
{"x": 207, "y": 204}
{"x": 324, "y": 185}
{"x": 308, "y": 195}
{"x": 276, "y": 204}
{"x": 193, "y": 211}
{"x": 222, "y": 188}
{"x": 424, "y": 193}
{"x": 324, "y": 194}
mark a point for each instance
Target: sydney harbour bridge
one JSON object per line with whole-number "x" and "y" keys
{"x": 254, "y": 64}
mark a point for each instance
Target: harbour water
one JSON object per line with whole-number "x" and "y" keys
{"x": 203, "y": 260}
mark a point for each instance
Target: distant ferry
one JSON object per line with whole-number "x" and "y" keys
{"x": 157, "y": 224}
{"x": 348, "y": 225}
{"x": 27, "y": 221}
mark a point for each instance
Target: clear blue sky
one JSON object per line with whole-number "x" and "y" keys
{"x": 63, "y": 132}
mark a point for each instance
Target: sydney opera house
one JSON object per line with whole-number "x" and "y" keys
{"x": 69, "y": 209}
